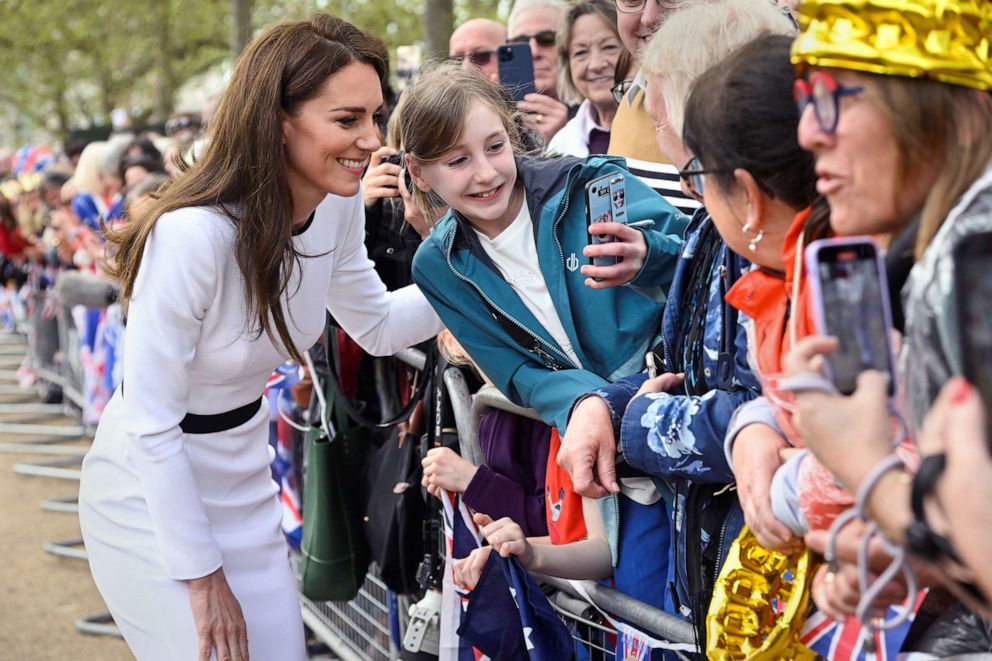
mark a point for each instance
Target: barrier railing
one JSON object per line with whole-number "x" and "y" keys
{"x": 642, "y": 616}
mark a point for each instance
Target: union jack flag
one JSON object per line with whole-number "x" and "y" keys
{"x": 851, "y": 641}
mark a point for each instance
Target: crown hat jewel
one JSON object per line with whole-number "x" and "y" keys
{"x": 943, "y": 40}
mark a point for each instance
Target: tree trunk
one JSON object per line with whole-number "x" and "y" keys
{"x": 240, "y": 26}
{"x": 438, "y": 23}
{"x": 165, "y": 83}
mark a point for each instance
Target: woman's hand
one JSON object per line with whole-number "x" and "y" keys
{"x": 666, "y": 382}
{"x": 443, "y": 469}
{"x": 381, "y": 179}
{"x": 958, "y": 506}
{"x": 756, "y": 457}
{"x": 217, "y": 615}
{"x": 506, "y": 538}
{"x": 543, "y": 114}
{"x": 628, "y": 243}
{"x": 467, "y": 571}
{"x": 588, "y": 449}
{"x": 849, "y": 435}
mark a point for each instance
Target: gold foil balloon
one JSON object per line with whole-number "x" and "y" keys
{"x": 760, "y": 602}
{"x": 940, "y": 40}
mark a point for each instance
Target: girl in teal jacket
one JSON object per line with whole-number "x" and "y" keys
{"x": 508, "y": 267}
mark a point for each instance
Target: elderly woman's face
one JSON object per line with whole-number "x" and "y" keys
{"x": 592, "y": 59}
{"x": 858, "y": 164}
{"x": 669, "y": 142}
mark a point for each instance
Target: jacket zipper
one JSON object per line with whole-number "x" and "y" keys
{"x": 569, "y": 182}
{"x": 490, "y": 301}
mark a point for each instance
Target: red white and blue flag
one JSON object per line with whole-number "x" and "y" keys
{"x": 852, "y": 641}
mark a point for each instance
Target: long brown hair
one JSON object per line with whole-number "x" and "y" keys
{"x": 941, "y": 125}
{"x": 243, "y": 170}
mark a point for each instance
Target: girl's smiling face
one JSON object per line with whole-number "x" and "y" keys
{"x": 478, "y": 177}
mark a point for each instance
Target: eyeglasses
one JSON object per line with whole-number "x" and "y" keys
{"x": 479, "y": 58}
{"x": 824, "y": 93}
{"x": 634, "y": 6}
{"x": 545, "y": 38}
{"x": 692, "y": 174}
{"x": 621, "y": 88}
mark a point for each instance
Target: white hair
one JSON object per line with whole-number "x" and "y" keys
{"x": 522, "y": 5}
{"x": 699, "y": 36}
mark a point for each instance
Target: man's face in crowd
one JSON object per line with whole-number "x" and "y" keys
{"x": 475, "y": 43}
{"x": 529, "y": 23}
{"x": 636, "y": 27}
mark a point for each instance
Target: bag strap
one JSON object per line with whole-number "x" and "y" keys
{"x": 345, "y": 406}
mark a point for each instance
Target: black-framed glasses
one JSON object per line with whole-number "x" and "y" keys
{"x": 479, "y": 58}
{"x": 621, "y": 88}
{"x": 692, "y": 174}
{"x": 824, "y": 93}
{"x": 634, "y": 6}
{"x": 543, "y": 38}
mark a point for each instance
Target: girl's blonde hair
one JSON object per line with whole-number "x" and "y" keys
{"x": 433, "y": 113}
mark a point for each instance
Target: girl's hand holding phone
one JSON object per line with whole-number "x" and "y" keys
{"x": 627, "y": 243}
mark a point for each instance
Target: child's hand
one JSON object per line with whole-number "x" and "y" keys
{"x": 627, "y": 242}
{"x": 467, "y": 571}
{"x": 443, "y": 469}
{"x": 506, "y": 537}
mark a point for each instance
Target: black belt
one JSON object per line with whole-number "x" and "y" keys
{"x": 194, "y": 423}
{"x": 217, "y": 422}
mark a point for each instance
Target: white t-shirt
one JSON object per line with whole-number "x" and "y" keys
{"x": 515, "y": 255}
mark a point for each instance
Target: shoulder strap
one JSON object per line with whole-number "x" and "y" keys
{"x": 345, "y": 408}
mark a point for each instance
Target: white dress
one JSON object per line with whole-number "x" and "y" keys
{"x": 157, "y": 506}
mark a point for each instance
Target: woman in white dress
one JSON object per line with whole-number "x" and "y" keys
{"x": 224, "y": 276}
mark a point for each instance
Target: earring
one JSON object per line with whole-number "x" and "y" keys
{"x": 755, "y": 240}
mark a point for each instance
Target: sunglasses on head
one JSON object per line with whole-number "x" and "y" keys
{"x": 479, "y": 58}
{"x": 544, "y": 38}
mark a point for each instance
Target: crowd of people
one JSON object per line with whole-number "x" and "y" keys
{"x": 699, "y": 421}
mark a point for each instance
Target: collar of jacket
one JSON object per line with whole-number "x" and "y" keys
{"x": 542, "y": 177}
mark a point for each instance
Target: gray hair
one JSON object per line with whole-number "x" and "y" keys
{"x": 699, "y": 36}
{"x": 521, "y": 6}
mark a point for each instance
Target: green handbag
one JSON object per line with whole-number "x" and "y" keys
{"x": 335, "y": 552}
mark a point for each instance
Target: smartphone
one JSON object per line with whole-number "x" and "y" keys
{"x": 973, "y": 295}
{"x": 606, "y": 201}
{"x": 850, "y": 298}
{"x": 516, "y": 70}
{"x": 397, "y": 159}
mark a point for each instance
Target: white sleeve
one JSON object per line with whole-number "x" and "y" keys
{"x": 382, "y": 322}
{"x": 176, "y": 283}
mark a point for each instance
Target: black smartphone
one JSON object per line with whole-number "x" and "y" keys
{"x": 973, "y": 295}
{"x": 850, "y": 298}
{"x": 606, "y": 201}
{"x": 397, "y": 159}
{"x": 516, "y": 70}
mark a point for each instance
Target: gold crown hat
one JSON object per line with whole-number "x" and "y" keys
{"x": 941, "y": 40}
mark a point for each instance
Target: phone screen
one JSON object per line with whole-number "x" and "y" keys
{"x": 600, "y": 209}
{"x": 973, "y": 288}
{"x": 854, "y": 310}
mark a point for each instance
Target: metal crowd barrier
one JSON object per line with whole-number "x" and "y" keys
{"x": 640, "y": 615}
{"x": 359, "y": 629}
{"x": 46, "y": 339}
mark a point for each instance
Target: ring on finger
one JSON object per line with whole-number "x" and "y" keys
{"x": 539, "y": 118}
